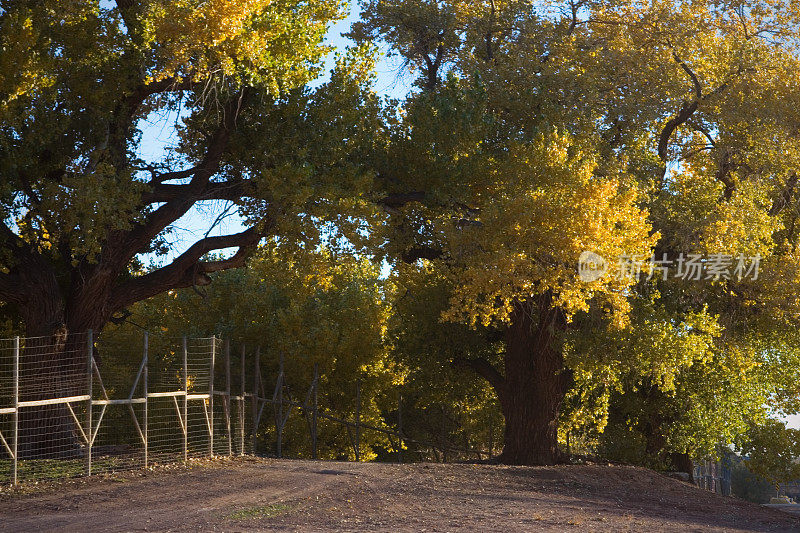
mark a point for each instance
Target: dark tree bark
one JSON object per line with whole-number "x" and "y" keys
{"x": 655, "y": 433}
{"x": 532, "y": 387}
{"x": 682, "y": 462}
{"x": 50, "y": 367}
{"x": 534, "y": 382}
{"x": 54, "y": 359}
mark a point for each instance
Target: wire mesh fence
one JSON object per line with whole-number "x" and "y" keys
{"x": 60, "y": 416}
{"x": 65, "y": 411}
{"x": 45, "y": 399}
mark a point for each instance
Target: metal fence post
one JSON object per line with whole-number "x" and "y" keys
{"x": 491, "y": 436}
{"x": 314, "y": 414}
{"x": 569, "y": 452}
{"x": 15, "y": 457}
{"x": 241, "y": 406}
{"x": 256, "y": 378}
{"x": 358, "y": 419}
{"x": 279, "y": 416}
{"x": 145, "y": 413}
{"x": 89, "y": 380}
{"x": 228, "y": 395}
{"x": 400, "y": 426}
{"x": 443, "y": 437}
{"x": 185, "y": 401}
{"x": 211, "y": 397}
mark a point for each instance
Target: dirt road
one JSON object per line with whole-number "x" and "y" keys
{"x": 268, "y": 495}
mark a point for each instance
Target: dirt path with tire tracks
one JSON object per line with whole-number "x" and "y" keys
{"x": 267, "y": 495}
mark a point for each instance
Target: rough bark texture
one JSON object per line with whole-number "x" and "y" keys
{"x": 51, "y": 366}
{"x": 682, "y": 462}
{"x": 532, "y": 388}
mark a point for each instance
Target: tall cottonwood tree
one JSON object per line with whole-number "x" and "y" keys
{"x": 504, "y": 203}
{"x": 78, "y": 201}
{"x": 539, "y": 131}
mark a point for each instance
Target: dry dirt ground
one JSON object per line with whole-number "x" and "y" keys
{"x": 283, "y": 495}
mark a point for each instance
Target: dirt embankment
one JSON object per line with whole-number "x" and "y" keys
{"x": 269, "y": 495}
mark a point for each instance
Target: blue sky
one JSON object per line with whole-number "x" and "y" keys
{"x": 158, "y": 134}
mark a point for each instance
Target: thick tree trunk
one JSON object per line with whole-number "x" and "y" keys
{"x": 50, "y": 367}
{"x": 60, "y": 304}
{"x": 53, "y": 364}
{"x": 534, "y": 385}
{"x": 532, "y": 390}
{"x": 531, "y": 429}
{"x": 654, "y": 430}
{"x": 682, "y": 462}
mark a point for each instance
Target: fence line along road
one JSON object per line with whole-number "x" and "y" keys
{"x": 58, "y": 403}
{"x": 59, "y": 418}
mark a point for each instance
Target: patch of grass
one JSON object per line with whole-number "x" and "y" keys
{"x": 43, "y": 469}
{"x": 261, "y": 511}
{"x": 52, "y": 469}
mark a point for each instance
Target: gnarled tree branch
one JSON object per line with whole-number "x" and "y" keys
{"x": 689, "y": 107}
{"x": 139, "y": 237}
{"x": 187, "y": 269}
{"x": 222, "y": 190}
